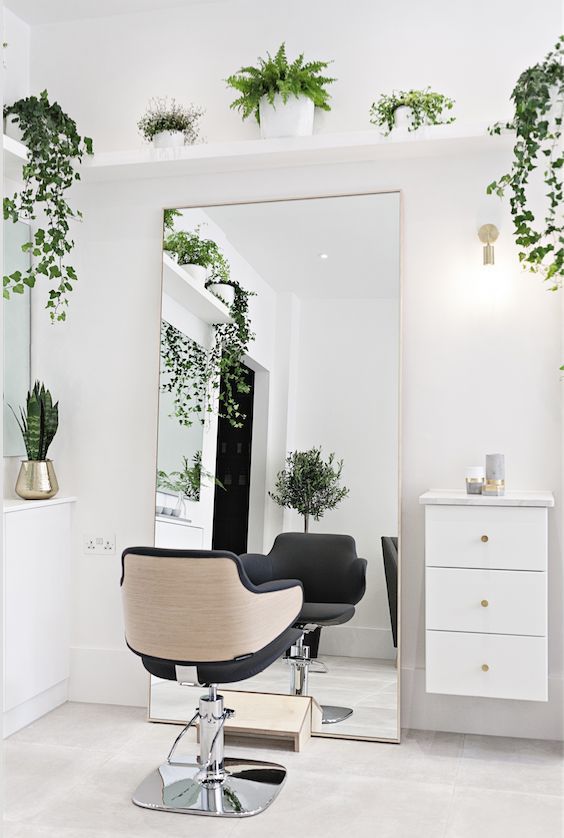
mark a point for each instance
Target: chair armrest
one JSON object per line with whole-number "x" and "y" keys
{"x": 278, "y": 585}
{"x": 356, "y": 581}
{"x": 257, "y": 567}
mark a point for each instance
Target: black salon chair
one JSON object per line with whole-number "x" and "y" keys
{"x": 194, "y": 616}
{"x": 390, "y": 554}
{"x": 334, "y": 581}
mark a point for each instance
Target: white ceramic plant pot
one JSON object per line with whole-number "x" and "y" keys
{"x": 168, "y": 139}
{"x": 402, "y": 117}
{"x": 12, "y": 129}
{"x": 226, "y": 292}
{"x": 292, "y": 119}
{"x": 197, "y": 272}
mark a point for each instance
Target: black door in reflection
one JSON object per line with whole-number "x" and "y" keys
{"x": 233, "y": 469}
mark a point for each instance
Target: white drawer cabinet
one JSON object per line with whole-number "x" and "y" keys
{"x": 486, "y": 594}
{"x": 37, "y": 567}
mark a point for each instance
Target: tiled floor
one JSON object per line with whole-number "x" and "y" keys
{"x": 366, "y": 685}
{"x": 71, "y": 774}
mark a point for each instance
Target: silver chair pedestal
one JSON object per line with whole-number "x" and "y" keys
{"x": 300, "y": 663}
{"x": 214, "y": 785}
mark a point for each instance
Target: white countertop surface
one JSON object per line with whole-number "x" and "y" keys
{"x": 18, "y": 505}
{"x": 458, "y": 497}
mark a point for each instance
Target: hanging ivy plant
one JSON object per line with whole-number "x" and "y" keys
{"x": 184, "y": 373}
{"x": 54, "y": 150}
{"x": 230, "y": 344}
{"x": 538, "y": 97}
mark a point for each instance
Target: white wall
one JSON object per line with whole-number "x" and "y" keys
{"x": 346, "y": 400}
{"x": 104, "y": 70}
{"x": 481, "y": 351}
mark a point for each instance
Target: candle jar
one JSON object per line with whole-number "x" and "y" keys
{"x": 474, "y": 480}
{"x": 495, "y": 475}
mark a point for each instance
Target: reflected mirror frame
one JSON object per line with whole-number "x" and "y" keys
{"x": 315, "y": 197}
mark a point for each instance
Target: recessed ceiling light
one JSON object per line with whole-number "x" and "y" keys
{"x": 323, "y": 255}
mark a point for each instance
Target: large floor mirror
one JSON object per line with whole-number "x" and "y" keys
{"x": 279, "y": 431}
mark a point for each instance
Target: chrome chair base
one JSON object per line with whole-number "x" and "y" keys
{"x": 331, "y": 714}
{"x": 247, "y": 789}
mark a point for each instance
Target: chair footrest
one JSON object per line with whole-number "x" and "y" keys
{"x": 248, "y": 788}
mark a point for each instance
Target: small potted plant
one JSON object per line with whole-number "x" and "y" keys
{"x": 309, "y": 485}
{"x": 411, "y": 109}
{"x": 187, "y": 482}
{"x": 282, "y": 96}
{"x": 38, "y": 425}
{"x": 167, "y": 124}
{"x": 199, "y": 256}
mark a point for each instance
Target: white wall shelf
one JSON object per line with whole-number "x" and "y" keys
{"x": 15, "y": 155}
{"x": 248, "y": 155}
{"x": 196, "y": 299}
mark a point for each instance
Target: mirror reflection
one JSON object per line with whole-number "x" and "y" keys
{"x": 17, "y": 336}
{"x": 278, "y": 433}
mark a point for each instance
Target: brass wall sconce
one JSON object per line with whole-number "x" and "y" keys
{"x": 488, "y": 234}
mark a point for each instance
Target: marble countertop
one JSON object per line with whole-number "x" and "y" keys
{"x": 458, "y": 497}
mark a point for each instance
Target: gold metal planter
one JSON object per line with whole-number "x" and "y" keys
{"x": 37, "y": 480}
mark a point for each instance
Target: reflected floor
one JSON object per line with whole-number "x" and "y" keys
{"x": 366, "y": 685}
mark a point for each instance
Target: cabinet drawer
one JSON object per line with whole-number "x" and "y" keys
{"x": 517, "y": 666}
{"x": 487, "y": 601}
{"x": 511, "y": 538}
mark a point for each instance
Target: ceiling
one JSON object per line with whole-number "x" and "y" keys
{"x": 54, "y": 11}
{"x": 283, "y": 242}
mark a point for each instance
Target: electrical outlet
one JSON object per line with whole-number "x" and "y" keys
{"x": 99, "y": 545}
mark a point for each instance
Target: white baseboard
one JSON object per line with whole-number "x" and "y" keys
{"x": 32, "y": 709}
{"x": 488, "y": 716}
{"x": 108, "y": 676}
{"x": 357, "y": 642}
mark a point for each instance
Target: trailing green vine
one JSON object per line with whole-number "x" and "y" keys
{"x": 184, "y": 373}
{"x": 54, "y": 148}
{"x": 538, "y": 97}
{"x": 196, "y": 377}
{"x": 426, "y": 108}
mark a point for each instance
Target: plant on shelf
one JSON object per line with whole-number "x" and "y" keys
{"x": 168, "y": 219}
{"x": 538, "y": 98}
{"x": 190, "y": 248}
{"x": 421, "y": 107}
{"x": 54, "y": 150}
{"x": 38, "y": 424}
{"x": 309, "y": 484}
{"x": 187, "y": 482}
{"x": 275, "y": 82}
{"x": 165, "y": 122}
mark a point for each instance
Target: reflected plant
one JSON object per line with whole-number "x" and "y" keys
{"x": 190, "y": 248}
{"x": 309, "y": 485}
{"x": 186, "y": 374}
{"x": 187, "y": 482}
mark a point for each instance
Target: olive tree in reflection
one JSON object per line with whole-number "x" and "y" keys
{"x": 309, "y": 484}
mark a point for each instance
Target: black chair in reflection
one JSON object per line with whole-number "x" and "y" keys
{"x": 334, "y": 581}
{"x": 390, "y": 554}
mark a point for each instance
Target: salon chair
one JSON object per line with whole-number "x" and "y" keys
{"x": 334, "y": 581}
{"x": 194, "y": 616}
{"x": 390, "y": 555}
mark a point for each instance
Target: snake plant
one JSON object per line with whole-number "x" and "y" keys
{"x": 39, "y": 422}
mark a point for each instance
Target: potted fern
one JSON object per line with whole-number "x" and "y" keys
{"x": 282, "y": 96}
{"x": 38, "y": 425}
{"x": 200, "y": 257}
{"x": 411, "y": 109}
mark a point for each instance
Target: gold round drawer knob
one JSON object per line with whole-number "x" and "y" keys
{"x": 485, "y": 539}
{"x": 485, "y": 667}
{"x": 484, "y": 603}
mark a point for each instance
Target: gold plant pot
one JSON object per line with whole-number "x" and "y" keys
{"x": 37, "y": 480}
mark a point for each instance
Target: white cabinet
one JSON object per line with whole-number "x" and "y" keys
{"x": 486, "y": 594}
{"x": 177, "y": 534}
{"x": 37, "y": 550}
